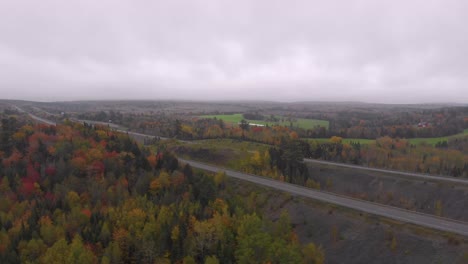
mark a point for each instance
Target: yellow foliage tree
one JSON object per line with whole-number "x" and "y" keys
{"x": 155, "y": 186}
{"x": 313, "y": 254}
{"x": 336, "y": 139}
{"x": 164, "y": 179}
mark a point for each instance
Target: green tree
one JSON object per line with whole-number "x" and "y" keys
{"x": 313, "y": 254}
{"x": 211, "y": 260}
{"x": 283, "y": 226}
{"x": 58, "y": 253}
{"x": 189, "y": 260}
{"x": 31, "y": 250}
{"x": 220, "y": 178}
{"x": 105, "y": 234}
{"x": 252, "y": 241}
{"x": 438, "y": 207}
{"x": 78, "y": 253}
{"x": 244, "y": 125}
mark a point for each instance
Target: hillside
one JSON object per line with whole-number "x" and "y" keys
{"x": 85, "y": 194}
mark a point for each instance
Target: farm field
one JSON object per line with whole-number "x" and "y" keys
{"x": 433, "y": 141}
{"x": 298, "y": 122}
{"x": 345, "y": 140}
{"x": 415, "y": 141}
{"x": 429, "y": 141}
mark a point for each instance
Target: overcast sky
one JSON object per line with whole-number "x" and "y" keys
{"x": 347, "y": 50}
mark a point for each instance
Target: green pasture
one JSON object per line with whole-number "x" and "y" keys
{"x": 414, "y": 141}
{"x": 234, "y": 118}
{"x": 362, "y": 141}
{"x": 429, "y": 141}
{"x": 297, "y": 122}
{"x": 433, "y": 141}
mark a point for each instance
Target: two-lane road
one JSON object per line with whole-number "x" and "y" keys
{"x": 34, "y": 117}
{"x": 430, "y": 221}
{"x": 42, "y": 120}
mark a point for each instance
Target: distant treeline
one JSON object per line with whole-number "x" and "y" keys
{"x": 413, "y": 123}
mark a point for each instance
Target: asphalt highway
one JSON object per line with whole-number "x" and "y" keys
{"x": 439, "y": 223}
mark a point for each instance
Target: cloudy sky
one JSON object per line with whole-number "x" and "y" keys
{"x": 334, "y": 50}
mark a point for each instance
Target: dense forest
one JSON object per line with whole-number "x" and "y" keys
{"x": 85, "y": 194}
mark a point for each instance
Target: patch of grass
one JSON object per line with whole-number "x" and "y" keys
{"x": 433, "y": 141}
{"x": 429, "y": 141}
{"x": 415, "y": 141}
{"x": 234, "y": 118}
{"x": 224, "y": 152}
{"x": 295, "y": 122}
{"x": 362, "y": 141}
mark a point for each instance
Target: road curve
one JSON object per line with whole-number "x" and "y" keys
{"x": 39, "y": 119}
{"x": 48, "y": 122}
{"x": 448, "y": 179}
{"x": 42, "y": 120}
{"x": 412, "y": 217}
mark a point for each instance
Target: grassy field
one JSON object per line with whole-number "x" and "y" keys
{"x": 415, "y": 141}
{"x": 228, "y": 153}
{"x": 429, "y": 141}
{"x": 435, "y": 140}
{"x": 299, "y": 122}
{"x": 345, "y": 140}
{"x": 234, "y": 118}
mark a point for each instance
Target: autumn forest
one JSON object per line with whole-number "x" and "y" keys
{"x": 105, "y": 184}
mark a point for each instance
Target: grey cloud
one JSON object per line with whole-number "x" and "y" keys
{"x": 383, "y": 51}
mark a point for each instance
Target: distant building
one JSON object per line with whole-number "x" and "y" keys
{"x": 257, "y": 125}
{"x": 423, "y": 124}
{"x": 253, "y": 124}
